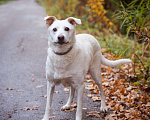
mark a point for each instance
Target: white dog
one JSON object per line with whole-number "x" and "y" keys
{"x": 70, "y": 57}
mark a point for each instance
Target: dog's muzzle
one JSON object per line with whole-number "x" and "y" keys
{"x": 61, "y": 40}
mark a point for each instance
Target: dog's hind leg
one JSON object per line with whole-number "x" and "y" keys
{"x": 96, "y": 75}
{"x": 70, "y": 99}
{"x": 95, "y": 71}
{"x": 50, "y": 92}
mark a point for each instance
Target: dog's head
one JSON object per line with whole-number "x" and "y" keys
{"x": 61, "y": 32}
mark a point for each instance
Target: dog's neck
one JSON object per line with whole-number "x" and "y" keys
{"x": 63, "y": 53}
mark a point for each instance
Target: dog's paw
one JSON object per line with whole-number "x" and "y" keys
{"x": 65, "y": 107}
{"x": 78, "y": 118}
{"x": 103, "y": 109}
{"x": 45, "y": 119}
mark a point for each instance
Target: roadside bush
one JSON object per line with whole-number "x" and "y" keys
{"x": 97, "y": 14}
{"x": 136, "y": 18}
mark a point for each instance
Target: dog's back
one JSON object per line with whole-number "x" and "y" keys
{"x": 92, "y": 46}
{"x": 88, "y": 42}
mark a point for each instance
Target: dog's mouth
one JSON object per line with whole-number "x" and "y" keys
{"x": 61, "y": 43}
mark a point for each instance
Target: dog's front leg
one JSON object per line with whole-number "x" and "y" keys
{"x": 50, "y": 92}
{"x": 80, "y": 90}
{"x": 70, "y": 99}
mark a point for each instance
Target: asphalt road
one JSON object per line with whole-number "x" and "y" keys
{"x": 23, "y": 50}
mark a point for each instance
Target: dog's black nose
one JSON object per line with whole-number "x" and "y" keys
{"x": 61, "y": 38}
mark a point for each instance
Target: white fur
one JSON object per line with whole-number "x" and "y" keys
{"x": 71, "y": 68}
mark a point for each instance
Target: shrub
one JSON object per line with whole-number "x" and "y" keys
{"x": 136, "y": 17}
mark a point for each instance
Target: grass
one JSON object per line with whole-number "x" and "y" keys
{"x": 5, "y": 1}
{"x": 118, "y": 45}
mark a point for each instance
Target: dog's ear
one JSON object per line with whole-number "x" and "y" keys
{"x": 74, "y": 21}
{"x": 49, "y": 20}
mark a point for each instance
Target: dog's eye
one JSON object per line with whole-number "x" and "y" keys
{"x": 66, "y": 29}
{"x": 54, "y": 29}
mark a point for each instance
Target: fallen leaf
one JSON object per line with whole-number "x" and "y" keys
{"x": 148, "y": 104}
{"x": 72, "y": 107}
{"x": 30, "y": 108}
{"x": 109, "y": 117}
{"x": 52, "y": 117}
{"x": 10, "y": 89}
{"x": 56, "y": 91}
{"x": 121, "y": 115}
{"x": 66, "y": 89}
{"x": 89, "y": 87}
{"x": 90, "y": 80}
{"x": 127, "y": 115}
{"x": 96, "y": 98}
{"x": 33, "y": 79}
{"x": 93, "y": 113}
{"x": 39, "y": 86}
{"x": 129, "y": 88}
{"x": 106, "y": 84}
{"x": 116, "y": 107}
{"x": 69, "y": 110}
{"x": 20, "y": 90}
{"x": 95, "y": 91}
{"x": 84, "y": 108}
{"x": 45, "y": 96}
{"x": 114, "y": 97}
{"x": 90, "y": 95}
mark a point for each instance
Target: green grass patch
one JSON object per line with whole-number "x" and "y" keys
{"x": 5, "y": 1}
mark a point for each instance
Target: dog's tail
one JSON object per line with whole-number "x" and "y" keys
{"x": 115, "y": 63}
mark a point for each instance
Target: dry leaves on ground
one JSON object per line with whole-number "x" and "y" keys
{"x": 123, "y": 98}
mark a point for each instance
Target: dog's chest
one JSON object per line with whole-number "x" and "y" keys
{"x": 61, "y": 65}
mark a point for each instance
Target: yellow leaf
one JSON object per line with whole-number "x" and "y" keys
{"x": 66, "y": 90}
{"x": 96, "y": 98}
{"x": 39, "y": 86}
{"x": 116, "y": 107}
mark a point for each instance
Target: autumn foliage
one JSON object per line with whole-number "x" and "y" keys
{"x": 97, "y": 13}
